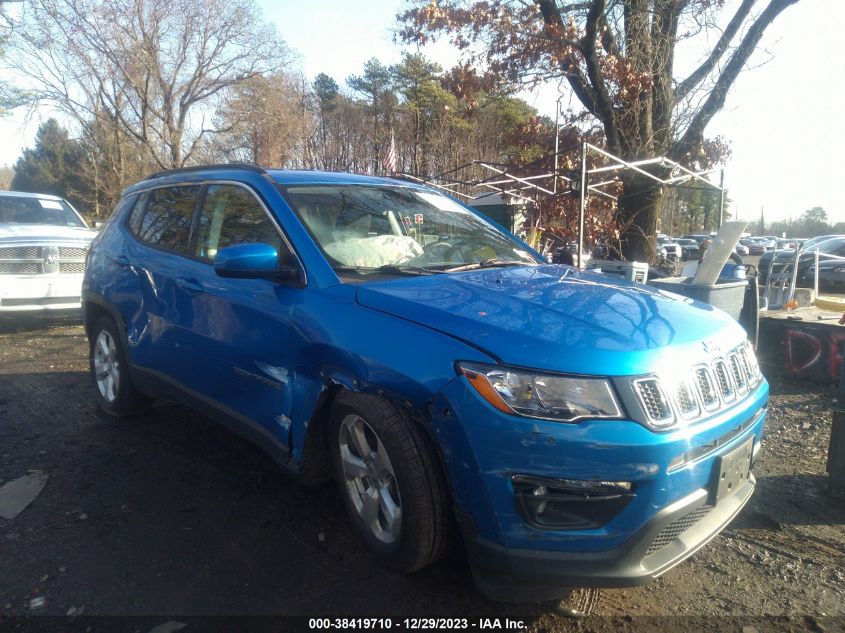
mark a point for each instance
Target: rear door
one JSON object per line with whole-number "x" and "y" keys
{"x": 160, "y": 258}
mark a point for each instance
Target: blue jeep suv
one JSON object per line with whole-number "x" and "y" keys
{"x": 569, "y": 429}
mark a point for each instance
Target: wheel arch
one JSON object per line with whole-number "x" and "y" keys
{"x": 95, "y": 306}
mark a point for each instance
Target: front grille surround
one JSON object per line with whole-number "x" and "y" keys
{"x": 706, "y": 389}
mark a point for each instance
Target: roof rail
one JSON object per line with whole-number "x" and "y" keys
{"x": 182, "y": 170}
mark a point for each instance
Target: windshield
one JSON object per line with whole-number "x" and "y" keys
{"x": 19, "y": 210}
{"x": 369, "y": 227}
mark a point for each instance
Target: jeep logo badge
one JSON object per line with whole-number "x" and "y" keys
{"x": 710, "y": 346}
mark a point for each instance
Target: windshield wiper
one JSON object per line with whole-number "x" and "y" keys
{"x": 390, "y": 269}
{"x": 488, "y": 263}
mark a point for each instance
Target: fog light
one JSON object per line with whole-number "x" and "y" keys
{"x": 571, "y": 504}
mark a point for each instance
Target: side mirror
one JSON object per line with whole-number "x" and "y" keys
{"x": 252, "y": 261}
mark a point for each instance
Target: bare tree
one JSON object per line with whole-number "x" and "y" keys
{"x": 618, "y": 58}
{"x": 263, "y": 122}
{"x": 154, "y": 68}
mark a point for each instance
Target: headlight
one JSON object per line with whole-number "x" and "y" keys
{"x": 545, "y": 396}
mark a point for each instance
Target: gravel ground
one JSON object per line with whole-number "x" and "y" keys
{"x": 169, "y": 514}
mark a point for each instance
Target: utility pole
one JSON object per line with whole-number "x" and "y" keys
{"x": 557, "y": 142}
{"x": 583, "y": 207}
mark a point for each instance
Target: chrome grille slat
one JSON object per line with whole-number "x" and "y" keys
{"x": 654, "y": 401}
{"x": 750, "y": 365}
{"x": 725, "y": 383}
{"x": 706, "y": 388}
{"x": 685, "y": 399}
{"x": 737, "y": 373}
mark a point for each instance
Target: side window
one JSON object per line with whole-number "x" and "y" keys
{"x": 165, "y": 219}
{"x": 232, "y": 215}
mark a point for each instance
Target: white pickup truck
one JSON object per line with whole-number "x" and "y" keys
{"x": 43, "y": 245}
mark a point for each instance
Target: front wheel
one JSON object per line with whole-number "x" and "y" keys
{"x": 110, "y": 372}
{"x": 391, "y": 484}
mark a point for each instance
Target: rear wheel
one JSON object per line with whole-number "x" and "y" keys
{"x": 109, "y": 372}
{"x": 391, "y": 485}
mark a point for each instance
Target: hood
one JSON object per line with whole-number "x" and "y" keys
{"x": 559, "y": 319}
{"x": 45, "y": 232}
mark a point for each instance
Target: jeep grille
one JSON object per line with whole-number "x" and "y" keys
{"x": 709, "y": 388}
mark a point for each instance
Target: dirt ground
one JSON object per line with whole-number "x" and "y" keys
{"x": 168, "y": 514}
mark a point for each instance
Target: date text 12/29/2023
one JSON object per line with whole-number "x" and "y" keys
{"x": 416, "y": 624}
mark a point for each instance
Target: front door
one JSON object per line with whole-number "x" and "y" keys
{"x": 238, "y": 331}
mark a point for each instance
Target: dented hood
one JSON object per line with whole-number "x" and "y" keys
{"x": 559, "y": 319}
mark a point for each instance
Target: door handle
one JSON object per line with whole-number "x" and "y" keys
{"x": 190, "y": 285}
{"x": 121, "y": 260}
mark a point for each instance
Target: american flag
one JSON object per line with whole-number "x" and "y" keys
{"x": 390, "y": 158}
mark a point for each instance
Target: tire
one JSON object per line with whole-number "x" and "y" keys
{"x": 384, "y": 463}
{"x": 110, "y": 372}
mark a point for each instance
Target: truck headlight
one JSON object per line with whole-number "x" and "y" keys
{"x": 539, "y": 395}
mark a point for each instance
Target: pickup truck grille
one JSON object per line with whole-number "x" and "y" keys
{"x": 37, "y": 260}
{"x": 709, "y": 388}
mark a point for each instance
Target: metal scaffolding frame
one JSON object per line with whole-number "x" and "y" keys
{"x": 504, "y": 179}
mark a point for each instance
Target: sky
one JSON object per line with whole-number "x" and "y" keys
{"x": 783, "y": 117}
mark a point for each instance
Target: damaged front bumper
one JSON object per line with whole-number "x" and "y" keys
{"x": 677, "y": 503}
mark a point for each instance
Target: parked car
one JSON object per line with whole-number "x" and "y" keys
{"x": 577, "y": 430}
{"x": 785, "y": 243}
{"x": 43, "y": 244}
{"x": 806, "y": 258}
{"x": 768, "y": 243}
{"x": 831, "y": 276}
{"x": 788, "y": 254}
{"x": 754, "y": 247}
{"x": 689, "y": 248}
{"x": 740, "y": 249}
{"x": 670, "y": 249}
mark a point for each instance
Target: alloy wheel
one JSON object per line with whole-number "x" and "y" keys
{"x": 106, "y": 366}
{"x": 370, "y": 479}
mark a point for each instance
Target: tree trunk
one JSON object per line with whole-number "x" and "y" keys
{"x": 639, "y": 207}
